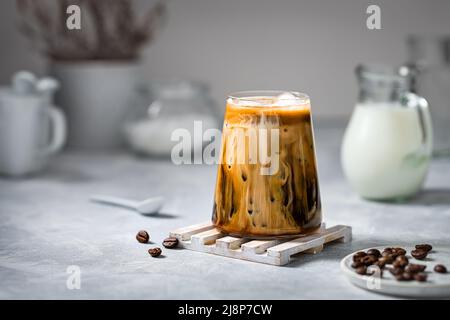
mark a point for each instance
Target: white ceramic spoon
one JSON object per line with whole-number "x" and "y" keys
{"x": 149, "y": 206}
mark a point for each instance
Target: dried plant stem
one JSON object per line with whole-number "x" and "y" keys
{"x": 110, "y": 29}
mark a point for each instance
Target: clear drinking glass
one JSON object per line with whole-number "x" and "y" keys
{"x": 267, "y": 184}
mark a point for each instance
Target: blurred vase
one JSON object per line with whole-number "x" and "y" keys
{"x": 96, "y": 96}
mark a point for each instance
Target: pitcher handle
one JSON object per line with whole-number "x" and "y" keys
{"x": 413, "y": 100}
{"x": 58, "y": 129}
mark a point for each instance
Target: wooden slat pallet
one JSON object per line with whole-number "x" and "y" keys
{"x": 204, "y": 237}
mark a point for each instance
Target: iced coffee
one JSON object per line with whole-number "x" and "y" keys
{"x": 267, "y": 183}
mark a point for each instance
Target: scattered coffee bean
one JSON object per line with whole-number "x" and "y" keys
{"x": 368, "y": 260}
{"x": 142, "y": 236}
{"x": 390, "y": 258}
{"x": 170, "y": 242}
{"x": 421, "y": 277}
{"x": 407, "y": 276}
{"x": 426, "y": 247}
{"x": 440, "y": 268}
{"x": 419, "y": 254}
{"x": 403, "y": 258}
{"x": 415, "y": 268}
{"x": 374, "y": 252}
{"x": 401, "y": 269}
{"x": 155, "y": 252}
{"x": 357, "y": 264}
{"x": 357, "y": 256}
{"x": 399, "y": 251}
{"x": 361, "y": 270}
{"x": 380, "y": 263}
{"x": 400, "y": 277}
{"x": 384, "y": 260}
{"x": 400, "y": 262}
{"x": 396, "y": 271}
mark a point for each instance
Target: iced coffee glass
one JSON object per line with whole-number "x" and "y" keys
{"x": 267, "y": 183}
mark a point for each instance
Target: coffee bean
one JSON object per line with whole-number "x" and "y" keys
{"x": 415, "y": 268}
{"x": 155, "y": 252}
{"x": 170, "y": 242}
{"x": 142, "y": 236}
{"x": 440, "y": 268}
{"x": 369, "y": 260}
{"x": 400, "y": 262}
{"x": 419, "y": 254}
{"x": 407, "y": 276}
{"x": 356, "y": 264}
{"x": 396, "y": 271}
{"x": 380, "y": 264}
{"x": 386, "y": 252}
{"x": 389, "y": 258}
{"x": 361, "y": 270}
{"x": 374, "y": 252}
{"x": 426, "y": 247}
{"x": 400, "y": 277}
{"x": 360, "y": 254}
{"x": 384, "y": 260}
{"x": 421, "y": 277}
{"x": 399, "y": 251}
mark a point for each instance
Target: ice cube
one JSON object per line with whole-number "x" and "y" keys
{"x": 286, "y": 99}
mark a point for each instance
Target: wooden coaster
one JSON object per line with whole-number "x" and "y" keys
{"x": 204, "y": 237}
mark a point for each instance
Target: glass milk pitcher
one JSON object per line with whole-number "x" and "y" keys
{"x": 387, "y": 145}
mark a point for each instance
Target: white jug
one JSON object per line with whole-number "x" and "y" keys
{"x": 387, "y": 145}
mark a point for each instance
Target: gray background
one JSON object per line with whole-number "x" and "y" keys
{"x": 310, "y": 46}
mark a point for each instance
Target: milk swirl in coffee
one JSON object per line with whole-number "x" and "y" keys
{"x": 276, "y": 194}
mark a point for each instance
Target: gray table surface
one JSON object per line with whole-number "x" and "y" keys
{"x": 48, "y": 224}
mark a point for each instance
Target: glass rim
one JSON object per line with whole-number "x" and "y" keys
{"x": 250, "y": 95}
{"x": 379, "y": 72}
